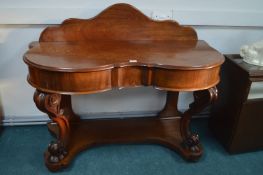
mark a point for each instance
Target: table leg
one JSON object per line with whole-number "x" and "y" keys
{"x": 170, "y": 109}
{"x": 58, "y": 107}
{"x": 201, "y": 100}
{"x": 190, "y": 148}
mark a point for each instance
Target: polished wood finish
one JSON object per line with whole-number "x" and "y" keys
{"x": 118, "y": 22}
{"x": 98, "y": 81}
{"x": 76, "y": 135}
{"x": 120, "y": 48}
{"x": 236, "y": 120}
{"x": 84, "y": 56}
{"x": 108, "y": 131}
{"x": 103, "y": 50}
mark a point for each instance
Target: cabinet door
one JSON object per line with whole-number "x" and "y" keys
{"x": 249, "y": 127}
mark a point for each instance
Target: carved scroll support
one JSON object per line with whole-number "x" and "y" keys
{"x": 58, "y": 108}
{"x": 201, "y": 100}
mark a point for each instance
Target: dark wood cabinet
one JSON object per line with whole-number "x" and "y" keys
{"x": 236, "y": 120}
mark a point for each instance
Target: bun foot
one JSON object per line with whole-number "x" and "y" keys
{"x": 55, "y": 156}
{"x": 56, "y": 151}
{"x": 193, "y": 147}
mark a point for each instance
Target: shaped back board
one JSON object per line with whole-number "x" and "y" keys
{"x": 118, "y": 22}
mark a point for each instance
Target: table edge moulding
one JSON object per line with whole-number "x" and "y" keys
{"x": 118, "y": 48}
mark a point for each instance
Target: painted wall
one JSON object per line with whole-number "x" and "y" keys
{"x": 224, "y": 24}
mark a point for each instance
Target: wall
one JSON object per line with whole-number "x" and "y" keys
{"x": 224, "y": 24}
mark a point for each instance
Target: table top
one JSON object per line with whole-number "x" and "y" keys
{"x": 98, "y": 55}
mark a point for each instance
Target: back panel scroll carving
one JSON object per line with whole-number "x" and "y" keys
{"x": 118, "y": 22}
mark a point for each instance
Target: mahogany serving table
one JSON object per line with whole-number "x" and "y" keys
{"x": 120, "y": 47}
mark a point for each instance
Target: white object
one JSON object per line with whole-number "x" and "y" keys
{"x": 133, "y": 61}
{"x": 253, "y": 54}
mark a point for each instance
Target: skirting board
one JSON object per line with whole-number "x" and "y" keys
{"x": 43, "y": 119}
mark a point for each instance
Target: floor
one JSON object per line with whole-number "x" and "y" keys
{"x": 21, "y": 152}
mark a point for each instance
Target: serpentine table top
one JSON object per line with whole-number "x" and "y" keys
{"x": 110, "y": 58}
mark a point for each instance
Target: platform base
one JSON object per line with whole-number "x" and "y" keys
{"x": 87, "y": 133}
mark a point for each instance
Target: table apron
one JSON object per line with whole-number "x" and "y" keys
{"x": 122, "y": 77}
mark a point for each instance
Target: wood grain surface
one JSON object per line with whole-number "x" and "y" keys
{"x": 121, "y": 42}
{"x": 118, "y": 22}
{"x": 101, "y": 55}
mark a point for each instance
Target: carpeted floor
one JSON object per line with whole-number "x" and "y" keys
{"x": 21, "y": 152}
